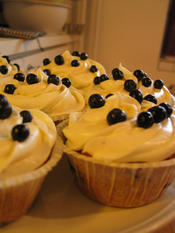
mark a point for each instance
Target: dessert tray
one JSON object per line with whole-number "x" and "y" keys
{"x": 60, "y": 207}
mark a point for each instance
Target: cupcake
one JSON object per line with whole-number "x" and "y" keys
{"x": 77, "y": 67}
{"x": 121, "y": 148}
{"x": 37, "y": 90}
{"x": 28, "y": 152}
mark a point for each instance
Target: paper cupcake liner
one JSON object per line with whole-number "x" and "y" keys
{"x": 120, "y": 184}
{"x": 18, "y": 193}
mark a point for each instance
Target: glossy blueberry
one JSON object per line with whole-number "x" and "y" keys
{"x": 5, "y": 111}
{"x": 145, "y": 120}
{"x": 26, "y": 115}
{"x": 66, "y": 82}
{"x": 9, "y": 89}
{"x": 19, "y": 76}
{"x": 3, "y": 100}
{"x": 7, "y": 58}
{"x": 76, "y": 53}
{"x": 158, "y": 84}
{"x": 103, "y": 78}
{"x": 151, "y": 98}
{"x": 93, "y": 69}
{"x": 96, "y": 101}
{"x": 84, "y": 56}
{"x": 168, "y": 108}
{"x": 116, "y": 115}
{"x": 159, "y": 113}
{"x": 117, "y": 74}
{"x": 47, "y": 72}
{"x": 75, "y": 63}
{"x": 59, "y": 60}
{"x": 3, "y": 69}
{"x": 146, "y": 82}
{"x": 140, "y": 74}
{"x": 108, "y": 95}
{"x": 137, "y": 94}
{"x": 97, "y": 80}
{"x": 32, "y": 78}
{"x": 46, "y": 61}
{"x": 130, "y": 85}
{"x": 53, "y": 79}
{"x": 20, "y": 132}
{"x": 17, "y": 66}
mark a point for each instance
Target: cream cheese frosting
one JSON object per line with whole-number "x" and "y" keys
{"x": 55, "y": 100}
{"x": 18, "y": 157}
{"x": 80, "y": 75}
{"x": 90, "y": 133}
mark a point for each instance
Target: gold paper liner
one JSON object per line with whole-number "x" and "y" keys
{"x": 120, "y": 184}
{"x": 18, "y": 193}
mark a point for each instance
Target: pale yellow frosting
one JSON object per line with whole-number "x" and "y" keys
{"x": 80, "y": 76}
{"x": 90, "y": 133}
{"x": 54, "y": 100}
{"x": 20, "y": 157}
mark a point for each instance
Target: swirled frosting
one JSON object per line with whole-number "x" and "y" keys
{"x": 20, "y": 157}
{"x": 90, "y": 133}
{"x": 80, "y": 76}
{"x": 55, "y": 100}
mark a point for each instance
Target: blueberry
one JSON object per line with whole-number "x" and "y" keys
{"x": 150, "y": 98}
{"x": 145, "y": 120}
{"x": 158, "y": 84}
{"x": 93, "y": 69}
{"x": 3, "y": 100}
{"x": 146, "y": 82}
{"x": 19, "y": 76}
{"x": 46, "y": 61}
{"x": 84, "y": 56}
{"x": 75, "y": 63}
{"x": 47, "y": 72}
{"x": 20, "y": 132}
{"x": 3, "y": 69}
{"x": 9, "y": 89}
{"x": 168, "y": 108}
{"x": 140, "y": 74}
{"x": 32, "y": 78}
{"x": 96, "y": 101}
{"x": 17, "y": 66}
{"x": 53, "y": 79}
{"x": 117, "y": 74}
{"x": 97, "y": 80}
{"x": 76, "y": 53}
{"x": 137, "y": 94}
{"x": 66, "y": 82}
{"x": 7, "y": 58}
{"x": 27, "y": 116}
{"x": 108, "y": 95}
{"x": 103, "y": 78}
{"x": 116, "y": 115}
{"x": 130, "y": 85}
{"x": 5, "y": 111}
{"x": 159, "y": 113}
{"x": 59, "y": 60}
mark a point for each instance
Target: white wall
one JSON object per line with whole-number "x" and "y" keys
{"x": 127, "y": 31}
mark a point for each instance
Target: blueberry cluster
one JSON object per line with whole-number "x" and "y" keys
{"x": 155, "y": 114}
{"x": 117, "y": 74}
{"x": 3, "y": 69}
{"x": 20, "y": 77}
{"x": 19, "y": 132}
{"x": 99, "y": 79}
{"x": 82, "y": 56}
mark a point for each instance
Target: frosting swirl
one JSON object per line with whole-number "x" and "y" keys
{"x": 20, "y": 157}
{"x": 90, "y": 133}
{"x": 55, "y": 100}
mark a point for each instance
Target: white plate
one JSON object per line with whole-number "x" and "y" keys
{"x": 60, "y": 207}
